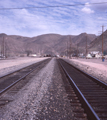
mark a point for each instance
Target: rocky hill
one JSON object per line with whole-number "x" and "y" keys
{"x": 96, "y": 44}
{"x": 44, "y": 44}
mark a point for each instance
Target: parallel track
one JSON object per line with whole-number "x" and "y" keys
{"x": 91, "y": 92}
{"x": 9, "y": 80}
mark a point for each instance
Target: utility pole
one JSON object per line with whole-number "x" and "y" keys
{"x": 77, "y": 50}
{"x": 86, "y": 46}
{"x": 67, "y": 48}
{"x": 102, "y": 40}
{"x": 3, "y": 48}
{"x": 70, "y": 47}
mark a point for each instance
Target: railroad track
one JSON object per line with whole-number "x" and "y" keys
{"x": 9, "y": 80}
{"x": 90, "y": 92}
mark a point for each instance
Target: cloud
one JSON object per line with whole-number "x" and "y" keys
{"x": 61, "y": 20}
{"x": 87, "y": 10}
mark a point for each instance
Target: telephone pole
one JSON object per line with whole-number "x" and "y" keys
{"x": 102, "y": 40}
{"x": 77, "y": 50}
{"x": 70, "y": 47}
{"x": 67, "y": 48}
{"x": 3, "y": 48}
{"x": 86, "y": 46}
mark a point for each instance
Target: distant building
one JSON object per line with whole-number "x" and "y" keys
{"x": 81, "y": 55}
{"x": 32, "y": 55}
{"x": 57, "y": 55}
{"x": 88, "y": 56}
{"x": 22, "y": 55}
{"x": 96, "y": 54}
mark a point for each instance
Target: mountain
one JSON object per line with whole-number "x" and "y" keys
{"x": 82, "y": 40}
{"x": 43, "y": 44}
{"x": 96, "y": 44}
{"x": 48, "y": 43}
{"x": 14, "y": 45}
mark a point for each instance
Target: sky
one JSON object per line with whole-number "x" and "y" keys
{"x": 66, "y": 20}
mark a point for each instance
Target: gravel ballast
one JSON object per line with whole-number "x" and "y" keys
{"x": 43, "y": 98}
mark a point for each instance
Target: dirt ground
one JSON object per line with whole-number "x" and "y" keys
{"x": 96, "y": 63}
{"x": 9, "y": 65}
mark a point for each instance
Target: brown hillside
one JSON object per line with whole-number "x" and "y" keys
{"x": 43, "y": 44}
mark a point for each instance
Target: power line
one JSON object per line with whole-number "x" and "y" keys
{"x": 69, "y": 5}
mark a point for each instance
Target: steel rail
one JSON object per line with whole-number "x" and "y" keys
{"x": 8, "y": 87}
{"x": 87, "y": 107}
{"x": 99, "y": 82}
{"x": 1, "y": 92}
